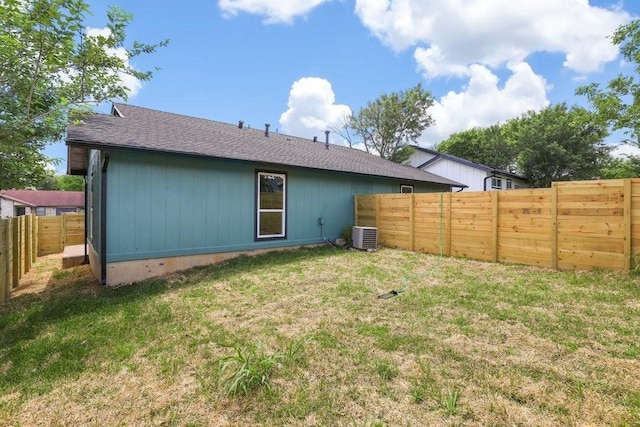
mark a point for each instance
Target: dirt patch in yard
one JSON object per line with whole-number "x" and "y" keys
{"x": 47, "y": 273}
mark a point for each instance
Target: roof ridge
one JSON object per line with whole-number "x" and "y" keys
{"x": 231, "y": 125}
{"x": 149, "y": 129}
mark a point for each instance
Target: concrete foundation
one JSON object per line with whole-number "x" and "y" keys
{"x": 134, "y": 271}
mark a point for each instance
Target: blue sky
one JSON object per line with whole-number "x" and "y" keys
{"x": 302, "y": 65}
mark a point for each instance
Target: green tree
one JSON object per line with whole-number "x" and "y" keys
{"x": 560, "y": 143}
{"x": 555, "y": 144}
{"x": 51, "y": 181}
{"x": 51, "y": 70}
{"x": 492, "y": 146}
{"x": 391, "y": 123}
{"x": 626, "y": 167}
{"x": 618, "y": 103}
{"x": 70, "y": 182}
{"x": 48, "y": 182}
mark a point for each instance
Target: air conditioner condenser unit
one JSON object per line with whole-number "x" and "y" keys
{"x": 364, "y": 237}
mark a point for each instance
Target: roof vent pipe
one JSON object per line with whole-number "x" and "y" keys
{"x": 326, "y": 139}
{"x": 315, "y": 139}
{"x": 240, "y": 123}
{"x": 266, "y": 129}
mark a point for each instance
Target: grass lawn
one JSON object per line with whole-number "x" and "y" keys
{"x": 302, "y": 338}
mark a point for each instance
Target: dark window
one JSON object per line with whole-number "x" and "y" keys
{"x": 60, "y": 211}
{"x": 406, "y": 188}
{"x": 496, "y": 183}
{"x": 271, "y": 205}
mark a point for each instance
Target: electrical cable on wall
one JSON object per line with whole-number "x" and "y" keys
{"x": 321, "y": 221}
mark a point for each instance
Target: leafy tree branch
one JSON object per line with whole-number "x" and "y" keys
{"x": 51, "y": 70}
{"x": 390, "y": 124}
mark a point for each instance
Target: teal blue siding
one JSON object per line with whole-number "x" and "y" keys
{"x": 161, "y": 205}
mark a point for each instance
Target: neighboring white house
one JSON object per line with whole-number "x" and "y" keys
{"x": 476, "y": 176}
{"x": 39, "y": 202}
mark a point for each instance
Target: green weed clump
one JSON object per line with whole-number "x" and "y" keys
{"x": 251, "y": 367}
{"x": 449, "y": 402}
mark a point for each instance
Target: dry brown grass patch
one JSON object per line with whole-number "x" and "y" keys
{"x": 516, "y": 345}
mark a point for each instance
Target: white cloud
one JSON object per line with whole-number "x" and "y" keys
{"x": 275, "y": 11}
{"x": 312, "y": 109}
{"x": 449, "y": 35}
{"x": 133, "y": 84}
{"x": 625, "y": 150}
{"x": 484, "y": 103}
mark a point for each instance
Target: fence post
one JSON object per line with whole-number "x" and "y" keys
{"x": 627, "y": 224}
{"x": 63, "y": 234}
{"x": 34, "y": 239}
{"x": 23, "y": 246}
{"x": 28, "y": 226}
{"x": 15, "y": 248}
{"x": 4, "y": 279}
{"x": 411, "y": 223}
{"x": 495, "y": 197}
{"x": 355, "y": 210}
{"x": 10, "y": 255}
{"x": 554, "y": 225}
{"x": 447, "y": 222}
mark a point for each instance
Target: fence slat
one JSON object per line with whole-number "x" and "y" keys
{"x": 627, "y": 223}
{"x": 495, "y": 200}
{"x": 15, "y": 249}
{"x": 28, "y": 241}
{"x": 4, "y": 279}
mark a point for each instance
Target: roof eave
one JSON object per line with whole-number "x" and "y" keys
{"x": 102, "y": 146}
{"x": 16, "y": 200}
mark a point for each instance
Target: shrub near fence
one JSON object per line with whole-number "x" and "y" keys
{"x": 573, "y": 225}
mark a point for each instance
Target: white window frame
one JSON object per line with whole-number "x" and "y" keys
{"x": 404, "y": 188}
{"x": 41, "y": 210}
{"x": 282, "y": 210}
{"x": 496, "y": 183}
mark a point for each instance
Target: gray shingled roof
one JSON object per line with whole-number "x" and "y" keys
{"x": 145, "y": 129}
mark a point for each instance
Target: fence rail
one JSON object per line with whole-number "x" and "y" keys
{"x": 573, "y": 225}
{"x": 24, "y": 238}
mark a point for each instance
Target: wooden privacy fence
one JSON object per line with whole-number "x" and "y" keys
{"x": 24, "y": 238}
{"x": 573, "y": 225}
{"x": 18, "y": 243}
{"x": 56, "y": 232}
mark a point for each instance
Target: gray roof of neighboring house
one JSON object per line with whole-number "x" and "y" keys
{"x": 466, "y": 162}
{"x": 131, "y": 127}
